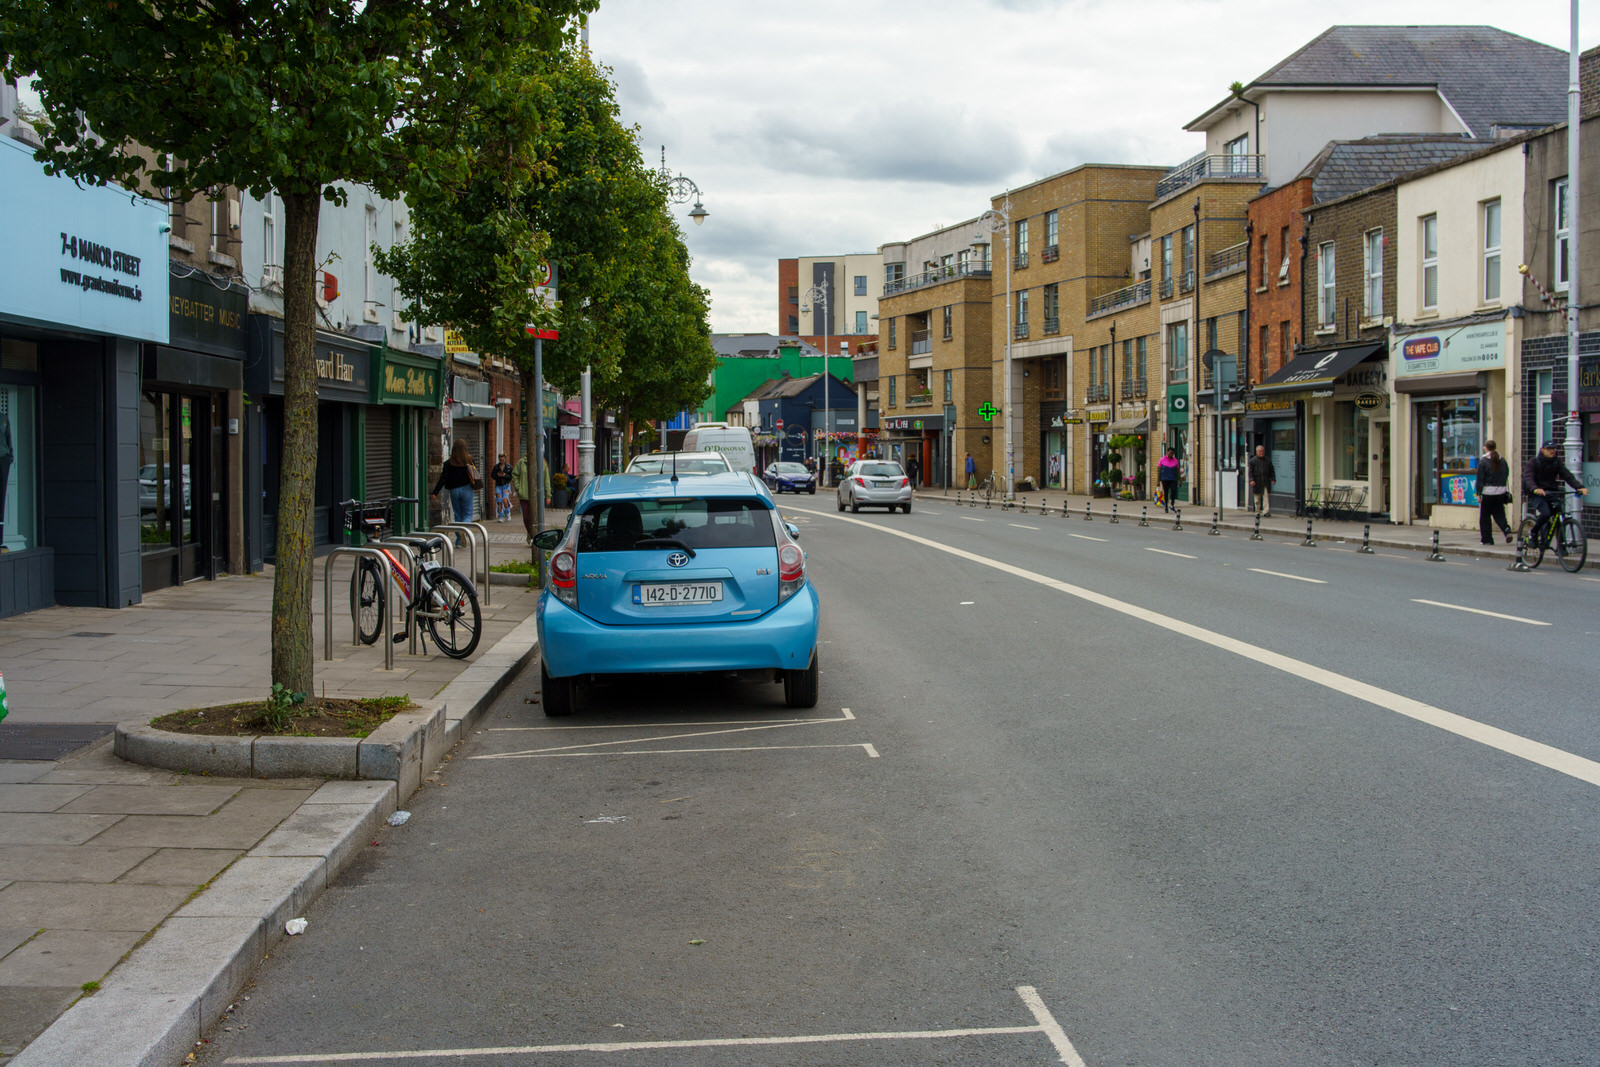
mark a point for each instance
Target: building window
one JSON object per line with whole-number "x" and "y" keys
{"x": 1243, "y": 333}
{"x": 794, "y": 293}
{"x": 1211, "y": 334}
{"x": 1022, "y": 238}
{"x": 963, "y": 260}
{"x": 861, "y": 284}
{"x": 370, "y": 276}
{"x": 949, "y": 322}
{"x": 1351, "y": 444}
{"x": 1127, "y": 363}
{"x": 794, "y": 324}
{"x": 1177, "y": 353}
{"x": 1285, "y": 350}
{"x": 269, "y": 239}
{"x": 1237, "y": 152}
{"x": 1166, "y": 266}
{"x": 949, "y": 387}
{"x": 1188, "y": 253}
{"x": 891, "y": 390}
{"x": 1372, "y": 273}
{"x": 1265, "y": 338}
{"x": 1560, "y": 273}
{"x": 19, "y": 473}
{"x": 893, "y": 333}
{"x": 1053, "y": 372}
{"x": 1327, "y": 298}
{"x": 1430, "y": 262}
{"x": 1141, "y": 351}
{"x": 1052, "y": 233}
{"x": 1266, "y": 260}
{"x": 1491, "y": 251}
{"x": 1022, "y": 314}
{"x": 1052, "y": 308}
{"x": 1283, "y": 268}
{"x": 861, "y": 322}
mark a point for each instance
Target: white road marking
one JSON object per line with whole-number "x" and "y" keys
{"x": 1046, "y": 1025}
{"x": 970, "y": 518}
{"x": 1019, "y": 526}
{"x": 1479, "y": 611}
{"x": 846, "y": 716}
{"x": 671, "y": 751}
{"x": 1164, "y": 552}
{"x": 588, "y": 749}
{"x": 1555, "y": 759}
{"x": 968, "y": 603}
{"x": 1280, "y": 574}
{"x": 1086, "y": 537}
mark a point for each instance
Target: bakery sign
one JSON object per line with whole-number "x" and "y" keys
{"x": 1481, "y": 346}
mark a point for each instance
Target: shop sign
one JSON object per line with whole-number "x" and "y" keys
{"x": 341, "y": 375}
{"x": 88, "y": 257}
{"x": 1589, "y": 384}
{"x": 1366, "y": 376}
{"x": 1276, "y": 402}
{"x": 1066, "y": 420}
{"x": 454, "y": 345}
{"x": 1369, "y": 401}
{"x": 1469, "y": 348}
{"x": 405, "y": 379}
{"x": 1178, "y": 404}
{"x": 907, "y": 423}
{"x": 205, "y": 318}
{"x": 1099, "y": 414}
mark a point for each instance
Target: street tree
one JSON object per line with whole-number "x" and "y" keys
{"x": 288, "y": 96}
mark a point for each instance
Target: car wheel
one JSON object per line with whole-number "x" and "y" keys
{"x": 839, "y": 499}
{"x": 855, "y": 509}
{"x": 906, "y": 507}
{"x": 556, "y": 694}
{"x": 812, "y": 490}
{"x": 800, "y": 687}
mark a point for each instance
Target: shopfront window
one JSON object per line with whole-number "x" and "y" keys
{"x": 166, "y": 470}
{"x": 1350, "y": 442}
{"x": 19, "y": 466}
{"x": 1449, "y": 442}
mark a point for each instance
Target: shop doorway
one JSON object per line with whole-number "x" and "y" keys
{"x": 1449, "y": 441}
{"x": 1281, "y": 449}
{"x": 182, "y": 487}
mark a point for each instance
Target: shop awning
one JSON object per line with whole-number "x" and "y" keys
{"x": 1130, "y": 426}
{"x": 1309, "y": 370}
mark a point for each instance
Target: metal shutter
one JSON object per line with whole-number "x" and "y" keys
{"x": 380, "y": 453}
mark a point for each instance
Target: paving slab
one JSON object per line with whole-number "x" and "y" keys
{"x": 181, "y": 798}
{"x": 192, "y": 867}
{"x": 67, "y": 957}
{"x": 34, "y": 797}
{"x": 68, "y": 863}
{"x": 20, "y": 828}
{"x": 90, "y": 905}
{"x": 25, "y": 1011}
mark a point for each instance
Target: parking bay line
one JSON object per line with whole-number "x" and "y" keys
{"x": 1293, "y": 577}
{"x": 1045, "y": 1024}
{"x": 590, "y": 748}
{"x": 1536, "y": 752}
{"x": 1478, "y": 611}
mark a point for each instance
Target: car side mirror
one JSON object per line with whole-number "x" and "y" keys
{"x": 547, "y": 540}
{"x": 794, "y": 531}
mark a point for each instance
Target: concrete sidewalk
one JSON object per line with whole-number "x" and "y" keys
{"x": 1280, "y": 527}
{"x": 127, "y": 892}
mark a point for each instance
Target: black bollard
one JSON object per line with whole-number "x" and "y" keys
{"x": 1366, "y": 538}
{"x": 1310, "y": 542}
{"x": 1024, "y": 508}
{"x": 1436, "y": 556}
{"x": 1144, "y": 515}
{"x": 1088, "y": 511}
{"x": 1177, "y": 518}
{"x": 1256, "y": 536}
{"x": 1520, "y": 564}
{"x": 1114, "y": 512}
{"x": 1215, "y": 518}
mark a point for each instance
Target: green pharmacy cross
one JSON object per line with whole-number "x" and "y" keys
{"x": 988, "y": 411}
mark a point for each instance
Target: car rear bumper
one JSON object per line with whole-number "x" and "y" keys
{"x": 869, "y": 496}
{"x": 571, "y": 643}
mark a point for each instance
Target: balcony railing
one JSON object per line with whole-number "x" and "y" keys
{"x": 1020, "y": 261}
{"x": 1099, "y": 392}
{"x": 1020, "y": 333}
{"x": 921, "y": 342}
{"x": 1052, "y": 327}
{"x": 1127, "y": 296}
{"x": 1186, "y": 281}
{"x": 1050, "y": 254}
{"x": 1203, "y": 167}
{"x": 1134, "y": 388}
{"x": 937, "y": 275}
{"x": 918, "y": 399}
{"x": 1227, "y": 259}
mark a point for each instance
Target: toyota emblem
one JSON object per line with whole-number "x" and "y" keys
{"x": 677, "y": 559}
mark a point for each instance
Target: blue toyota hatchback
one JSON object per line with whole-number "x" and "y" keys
{"x": 656, "y": 574}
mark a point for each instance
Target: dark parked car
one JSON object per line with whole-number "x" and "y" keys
{"x": 789, "y": 478}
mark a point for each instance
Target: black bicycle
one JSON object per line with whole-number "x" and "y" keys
{"x": 1561, "y": 532}
{"x": 438, "y": 599}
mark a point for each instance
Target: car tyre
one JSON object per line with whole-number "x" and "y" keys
{"x": 840, "y": 501}
{"x": 812, "y": 490}
{"x": 855, "y": 509}
{"x": 800, "y": 687}
{"x": 906, "y": 507}
{"x": 557, "y": 695}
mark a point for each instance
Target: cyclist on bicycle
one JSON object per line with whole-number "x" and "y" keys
{"x": 1542, "y": 476}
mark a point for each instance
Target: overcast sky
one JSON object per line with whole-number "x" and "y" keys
{"x": 835, "y": 126}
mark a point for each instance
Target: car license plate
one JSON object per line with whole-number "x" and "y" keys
{"x": 883, "y": 484}
{"x": 659, "y": 594}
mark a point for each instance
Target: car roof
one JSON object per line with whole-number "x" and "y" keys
{"x": 727, "y": 485}
{"x": 667, "y": 456}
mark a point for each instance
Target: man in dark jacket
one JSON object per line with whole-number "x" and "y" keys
{"x": 1542, "y": 476}
{"x": 1261, "y": 478}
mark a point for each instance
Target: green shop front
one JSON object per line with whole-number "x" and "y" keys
{"x": 392, "y": 434}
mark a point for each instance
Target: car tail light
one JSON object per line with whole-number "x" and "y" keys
{"x": 791, "y": 570}
{"x": 904, "y": 482}
{"x": 564, "y": 577}
{"x": 860, "y": 481}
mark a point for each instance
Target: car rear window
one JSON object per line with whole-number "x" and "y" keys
{"x": 620, "y": 525}
{"x": 881, "y": 470}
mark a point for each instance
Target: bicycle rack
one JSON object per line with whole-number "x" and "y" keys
{"x": 419, "y": 541}
{"x": 474, "y": 531}
{"x": 411, "y": 568}
{"x": 355, "y": 622}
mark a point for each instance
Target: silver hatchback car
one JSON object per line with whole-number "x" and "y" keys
{"x": 875, "y": 483}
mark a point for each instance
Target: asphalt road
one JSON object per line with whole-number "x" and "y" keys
{"x": 1074, "y": 793}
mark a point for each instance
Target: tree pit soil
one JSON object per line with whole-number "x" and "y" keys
{"x": 329, "y": 717}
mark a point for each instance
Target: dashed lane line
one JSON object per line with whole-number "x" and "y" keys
{"x": 1164, "y": 552}
{"x": 1478, "y": 611}
{"x": 1019, "y": 526}
{"x": 1536, "y": 752}
{"x": 1294, "y": 577}
{"x": 1086, "y": 537}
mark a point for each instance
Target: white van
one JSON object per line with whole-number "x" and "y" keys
{"x": 732, "y": 441}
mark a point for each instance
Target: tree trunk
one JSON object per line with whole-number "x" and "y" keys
{"x": 292, "y": 649}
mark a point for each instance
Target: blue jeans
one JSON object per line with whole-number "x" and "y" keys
{"x": 461, "y": 499}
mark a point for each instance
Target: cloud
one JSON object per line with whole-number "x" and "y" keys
{"x": 903, "y": 141}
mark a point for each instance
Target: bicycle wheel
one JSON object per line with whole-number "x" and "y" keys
{"x": 368, "y": 601}
{"x": 450, "y": 608}
{"x": 1572, "y": 547}
{"x": 1532, "y": 554}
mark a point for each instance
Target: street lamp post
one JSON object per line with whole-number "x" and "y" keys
{"x": 999, "y": 221}
{"x": 819, "y": 295}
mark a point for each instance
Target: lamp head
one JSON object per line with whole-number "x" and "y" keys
{"x": 698, "y": 213}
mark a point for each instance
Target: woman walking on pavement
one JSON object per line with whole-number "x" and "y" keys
{"x": 1493, "y": 494}
{"x": 459, "y": 478}
{"x": 1167, "y": 473}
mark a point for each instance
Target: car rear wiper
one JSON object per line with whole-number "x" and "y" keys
{"x": 663, "y": 542}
